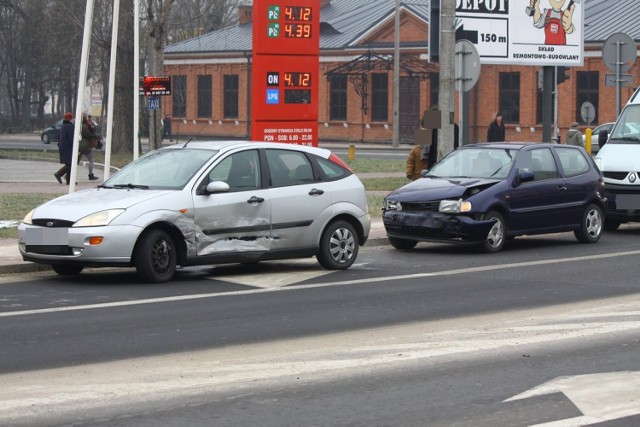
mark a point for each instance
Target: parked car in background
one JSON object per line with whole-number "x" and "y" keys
{"x": 205, "y": 203}
{"x": 52, "y": 133}
{"x": 595, "y": 146}
{"x": 485, "y": 194}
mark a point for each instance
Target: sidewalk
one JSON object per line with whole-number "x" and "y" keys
{"x": 27, "y": 176}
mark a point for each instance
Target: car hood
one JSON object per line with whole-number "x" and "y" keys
{"x": 75, "y": 206}
{"x": 618, "y": 157}
{"x": 439, "y": 188}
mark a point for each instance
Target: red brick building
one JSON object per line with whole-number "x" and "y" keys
{"x": 211, "y": 75}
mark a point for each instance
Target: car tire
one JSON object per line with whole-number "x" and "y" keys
{"x": 338, "y": 246}
{"x": 402, "y": 244}
{"x": 591, "y": 225}
{"x": 611, "y": 224}
{"x": 45, "y": 138}
{"x": 68, "y": 269}
{"x": 497, "y": 235}
{"x": 155, "y": 257}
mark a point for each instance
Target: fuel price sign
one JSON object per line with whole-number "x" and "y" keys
{"x": 286, "y": 27}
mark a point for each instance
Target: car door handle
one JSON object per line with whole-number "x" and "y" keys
{"x": 316, "y": 192}
{"x": 562, "y": 188}
{"x": 255, "y": 199}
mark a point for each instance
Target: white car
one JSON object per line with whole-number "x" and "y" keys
{"x": 595, "y": 146}
{"x": 205, "y": 203}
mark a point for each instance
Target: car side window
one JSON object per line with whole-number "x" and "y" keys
{"x": 572, "y": 161}
{"x": 240, "y": 170}
{"x": 543, "y": 165}
{"x": 288, "y": 167}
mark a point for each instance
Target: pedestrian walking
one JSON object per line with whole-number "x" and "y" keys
{"x": 65, "y": 148}
{"x": 88, "y": 143}
{"x": 574, "y": 136}
{"x": 496, "y": 132}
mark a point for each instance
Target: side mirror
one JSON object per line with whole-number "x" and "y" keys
{"x": 524, "y": 176}
{"x": 603, "y": 135}
{"x": 217, "y": 187}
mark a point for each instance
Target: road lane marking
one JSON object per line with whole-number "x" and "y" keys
{"x": 36, "y": 396}
{"x": 177, "y": 298}
{"x": 600, "y": 397}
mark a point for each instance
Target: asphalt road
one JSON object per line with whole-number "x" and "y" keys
{"x": 547, "y": 330}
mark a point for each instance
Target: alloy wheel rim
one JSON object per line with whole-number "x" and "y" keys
{"x": 341, "y": 245}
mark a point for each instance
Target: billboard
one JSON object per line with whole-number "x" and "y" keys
{"x": 527, "y": 32}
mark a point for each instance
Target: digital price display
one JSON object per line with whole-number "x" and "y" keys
{"x": 280, "y": 27}
{"x": 297, "y": 31}
{"x": 155, "y": 85}
{"x": 286, "y": 65}
{"x": 297, "y": 13}
{"x": 297, "y": 79}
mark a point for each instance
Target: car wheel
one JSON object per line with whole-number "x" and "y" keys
{"x": 611, "y": 224}
{"x": 496, "y": 237}
{"x": 45, "y": 138}
{"x": 591, "y": 225}
{"x": 338, "y": 246}
{"x": 403, "y": 244}
{"x": 155, "y": 257}
{"x": 67, "y": 269}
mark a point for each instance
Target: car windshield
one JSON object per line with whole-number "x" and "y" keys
{"x": 627, "y": 128}
{"x": 162, "y": 169}
{"x": 475, "y": 163}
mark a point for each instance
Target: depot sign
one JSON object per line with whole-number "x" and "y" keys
{"x": 506, "y": 32}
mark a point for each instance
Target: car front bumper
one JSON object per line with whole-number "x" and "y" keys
{"x": 73, "y": 245}
{"x": 435, "y": 226}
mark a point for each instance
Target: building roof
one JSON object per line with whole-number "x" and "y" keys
{"x": 606, "y": 17}
{"x": 344, "y": 23}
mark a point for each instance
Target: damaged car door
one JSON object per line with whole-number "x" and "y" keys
{"x": 237, "y": 218}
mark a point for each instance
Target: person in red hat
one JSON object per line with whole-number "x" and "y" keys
{"x": 65, "y": 148}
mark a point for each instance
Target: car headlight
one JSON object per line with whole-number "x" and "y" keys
{"x": 28, "y": 218}
{"x": 454, "y": 206}
{"x": 392, "y": 205}
{"x": 98, "y": 218}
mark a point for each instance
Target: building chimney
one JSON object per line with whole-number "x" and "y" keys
{"x": 244, "y": 14}
{"x": 324, "y": 3}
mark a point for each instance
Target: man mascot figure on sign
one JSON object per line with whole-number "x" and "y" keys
{"x": 557, "y": 23}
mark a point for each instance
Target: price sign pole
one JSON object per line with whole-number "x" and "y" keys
{"x": 285, "y": 81}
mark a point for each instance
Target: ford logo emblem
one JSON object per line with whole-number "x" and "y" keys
{"x": 49, "y": 224}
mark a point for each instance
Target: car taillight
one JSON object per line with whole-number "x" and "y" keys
{"x": 337, "y": 160}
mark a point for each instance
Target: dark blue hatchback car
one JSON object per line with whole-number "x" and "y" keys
{"x": 487, "y": 193}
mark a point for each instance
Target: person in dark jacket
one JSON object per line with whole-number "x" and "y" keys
{"x": 496, "y": 130}
{"x": 65, "y": 148}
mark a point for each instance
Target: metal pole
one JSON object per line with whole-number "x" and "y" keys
{"x": 82, "y": 81}
{"x": 618, "y": 49}
{"x": 555, "y": 103}
{"x": 395, "y": 137}
{"x": 136, "y": 77}
{"x": 112, "y": 85}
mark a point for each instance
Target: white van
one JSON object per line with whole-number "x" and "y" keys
{"x": 619, "y": 161}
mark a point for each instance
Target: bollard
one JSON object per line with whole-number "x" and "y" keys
{"x": 352, "y": 152}
{"x": 587, "y": 140}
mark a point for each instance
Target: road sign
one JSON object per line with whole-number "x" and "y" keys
{"x": 619, "y": 48}
{"x": 587, "y": 112}
{"x": 467, "y": 66}
{"x": 153, "y": 103}
{"x": 622, "y": 79}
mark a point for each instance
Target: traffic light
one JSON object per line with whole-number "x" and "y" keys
{"x": 562, "y": 74}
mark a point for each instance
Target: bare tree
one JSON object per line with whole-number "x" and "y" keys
{"x": 122, "y": 132}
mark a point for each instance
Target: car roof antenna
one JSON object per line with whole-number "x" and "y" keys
{"x": 185, "y": 144}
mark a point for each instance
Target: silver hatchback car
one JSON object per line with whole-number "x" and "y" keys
{"x": 205, "y": 203}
